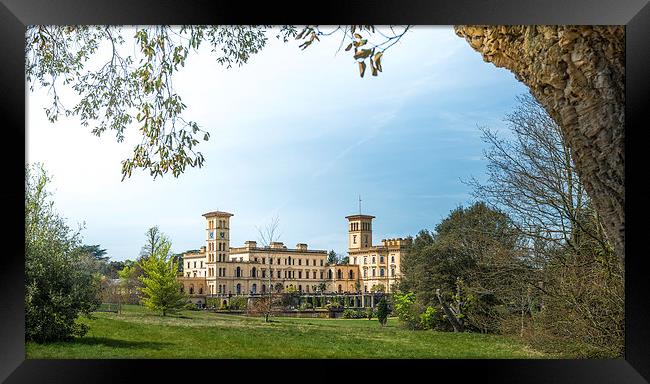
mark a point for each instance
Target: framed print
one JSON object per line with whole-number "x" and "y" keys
{"x": 462, "y": 180}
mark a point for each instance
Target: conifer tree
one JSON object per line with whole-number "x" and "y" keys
{"x": 382, "y": 311}
{"x": 161, "y": 289}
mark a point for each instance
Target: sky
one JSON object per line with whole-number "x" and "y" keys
{"x": 294, "y": 134}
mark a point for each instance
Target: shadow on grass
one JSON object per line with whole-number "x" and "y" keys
{"x": 117, "y": 343}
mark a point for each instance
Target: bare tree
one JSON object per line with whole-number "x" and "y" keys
{"x": 532, "y": 177}
{"x": 268, "y": 235}
{"x": 153, "y": 242}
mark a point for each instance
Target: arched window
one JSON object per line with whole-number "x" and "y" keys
{"x": 254, "y": 272}
{"x": 339, "y": 274}
{"x": 201, "y": 291}
{"x": 254, "y": 288}
{"x": 191, "y": 289}
{"x": 340, "y": 288}
{"x": 263, "y": 288}
{"x": 351, "y": 275}
{"x": 238, "y": 272}
{"x": 329, "y": 274}
{"x": 238, "y": 288}
{"x": 300, "y": 288}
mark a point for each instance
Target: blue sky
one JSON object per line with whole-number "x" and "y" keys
{"x": 297, "y": 134}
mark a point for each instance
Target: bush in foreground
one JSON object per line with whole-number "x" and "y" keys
{"x": 58, "y": 289}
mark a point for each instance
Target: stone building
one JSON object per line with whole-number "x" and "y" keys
{"x": 219, "y": 270}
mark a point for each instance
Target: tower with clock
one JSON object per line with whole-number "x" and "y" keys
{"x": 217, "y": 249}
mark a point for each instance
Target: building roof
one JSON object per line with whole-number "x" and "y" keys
{"x": 217, "y": 213}
{"x": 359, "y": 217}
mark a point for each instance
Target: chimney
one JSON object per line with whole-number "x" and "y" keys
{"x": 301, "y": 246}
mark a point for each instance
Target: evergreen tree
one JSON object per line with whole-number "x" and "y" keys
{"x": 332, "y": 258}
{"x": 161, "y": 289}
{"x": 382, "y": 311}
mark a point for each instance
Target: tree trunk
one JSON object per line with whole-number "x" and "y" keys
{"x": 578, "y": 74}
{"x": 451, "y": 316}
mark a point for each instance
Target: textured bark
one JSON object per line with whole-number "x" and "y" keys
{"x": 578, "y": 74}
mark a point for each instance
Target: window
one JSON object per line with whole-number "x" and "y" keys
{"x": 188, "y": 264}
{"x": 239, "y": 289}
{"x": 381, "y": 272}
{"x": 329, "y": 274}
{"x": 270, "y": 261}
{"x": 299, "y": 261}
{"x": 321, "y": 274}
{"x": 201, "y": 291}
{"x": 201, "y": 264}
{"x": 355, "y": 260}
{"x": 365, "y": 288}
{"x": 392, "y": 259}
{"x": 263, "y": 260}
{"x": 279, "y": 275}
{"x": 314, "y": 264}
{"x": 373, "y": 259}
{"x": 354, "y": 239}
{"x": 351, "y": 275}
{"x": 339, "y": 274}
{"x": 381, "y": 259}
{"x": 254, "y": 288}
{"x": 365, "y": 273}
{"x": 392, "y": 271}
{"x": 254, "y": 272}
{"x": 306, "y": 274}
{"x": 263, "y": 273}
{"x": 300, "y": 274}
{"x": 238, "y": 272}
{"x": 321, "y": 262}
{"x": 373, "y": 272}
{"x": 365, "y": 259}
{"x": 195, "y": 264}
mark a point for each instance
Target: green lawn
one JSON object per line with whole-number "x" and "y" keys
{"x": 139, "y": 333}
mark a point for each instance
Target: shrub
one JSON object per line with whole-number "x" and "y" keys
{"x": 430, "y": 318}
{"x": 382, "y": 311}
{"x": 333, "y": 305}
{"x": 190, "y": 306}
{"x": 406, "y": 310}
{"x": 304, "y": 306}
{"x": 238, "y": 303}
{"x": 353, "y": 314}
{"x": 369, "y": 313}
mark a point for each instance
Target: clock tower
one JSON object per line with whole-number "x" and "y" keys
{"x": 217, "y": 247}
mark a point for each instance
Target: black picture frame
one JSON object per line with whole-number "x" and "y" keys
{"x": 15, "y": 15}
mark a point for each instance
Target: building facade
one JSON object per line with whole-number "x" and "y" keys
{"x": 218, "y": 269}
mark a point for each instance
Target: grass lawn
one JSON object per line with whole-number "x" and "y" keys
{"x": 139, "y": 333}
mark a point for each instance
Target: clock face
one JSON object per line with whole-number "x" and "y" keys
{"x": 211, "y": 235}
{"x": 222, "y": 234}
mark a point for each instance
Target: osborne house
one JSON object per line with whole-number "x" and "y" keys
{"x": 221, "y": 271}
